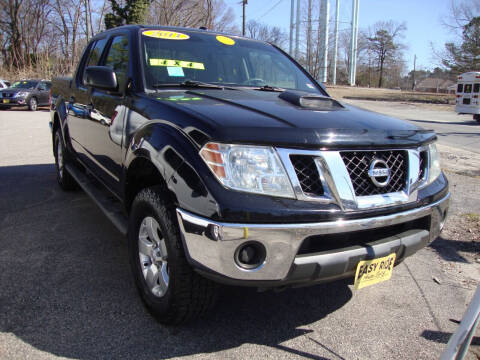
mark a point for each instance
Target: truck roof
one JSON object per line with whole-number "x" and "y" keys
{"x": 469, "y": 76}
{"x": 139, "y": 27}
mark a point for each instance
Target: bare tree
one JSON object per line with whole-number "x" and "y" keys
{"x": 461, "y": 12}
{"x": 272, "y": 34}
{"x": 384, "y": 43}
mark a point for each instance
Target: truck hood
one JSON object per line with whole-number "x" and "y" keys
{"x": 260, "y": 117}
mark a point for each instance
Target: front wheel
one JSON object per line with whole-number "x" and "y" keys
{"x": 32, "y": 104}
{"x": 169, "y": 287}
{"x": 476, "y": 117}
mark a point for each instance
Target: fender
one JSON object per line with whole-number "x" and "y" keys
{"x": 173, "y": 152}
{"x": 60, "y": 110}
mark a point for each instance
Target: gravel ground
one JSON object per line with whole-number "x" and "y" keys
{"x": 66, "y": 289}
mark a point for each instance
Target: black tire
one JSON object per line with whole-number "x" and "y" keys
{"x": 64, "y": 179}
{"x": 33, "y": 104}
{"x": 476, "y": 117}
{"x": 188, "y": 295}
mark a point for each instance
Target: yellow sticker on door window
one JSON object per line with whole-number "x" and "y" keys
{"x": 225, "y": 40}
{"x": 168, "y": 35}
{"x": 179, "y": 63}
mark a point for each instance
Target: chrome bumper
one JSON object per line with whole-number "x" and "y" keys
{"x": 211, "y": 245}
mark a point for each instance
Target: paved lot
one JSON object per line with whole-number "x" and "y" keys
{"x": 66, "y": 290}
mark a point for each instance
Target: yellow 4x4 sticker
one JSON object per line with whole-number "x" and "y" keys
{"x": 179, "y": 63}
{"x": 168, "y": 35}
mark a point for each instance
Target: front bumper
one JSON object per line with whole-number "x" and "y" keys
{"x": 13, "y": 102}
{"x": 211, "y": 246}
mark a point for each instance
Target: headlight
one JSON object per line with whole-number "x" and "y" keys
{"x": 21, "y": 94}
{"x": 434, "y": 169}
{"x": 255, "y": 169}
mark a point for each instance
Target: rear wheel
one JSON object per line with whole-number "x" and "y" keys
{"x": 476, "y": 117}
{"x": 32, "y": 104}
{"x": 64, "y": 179}
{"x": 169, "y": 287}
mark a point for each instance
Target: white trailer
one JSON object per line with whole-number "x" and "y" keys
{"x": 467, "y": 94}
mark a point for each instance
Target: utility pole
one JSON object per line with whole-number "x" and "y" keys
{"x": 323, "y": 23}
{"x": 354, "y": 42}
{"x": 297, "y": 30}
{"x": 414, "y": 64}
{"x": 292, "y": 14}
{"x": 87, "y": 18}
{"x": 244, "y": 3}
{"x": 309, "y": 36}
{"x": 335, "y": 46}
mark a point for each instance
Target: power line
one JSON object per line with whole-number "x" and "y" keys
{"x": 268, "y": 11}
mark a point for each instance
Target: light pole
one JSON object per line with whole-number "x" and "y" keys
{"x": 244, "y": 3}
{"x": 335, "y": 46}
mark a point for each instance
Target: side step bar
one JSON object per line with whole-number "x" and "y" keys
{"x": 104, "y": 200}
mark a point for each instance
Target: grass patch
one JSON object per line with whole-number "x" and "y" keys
{"x": 473, "y": 217}
{"x": 358, "y": 93}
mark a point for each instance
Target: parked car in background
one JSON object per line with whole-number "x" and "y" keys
{"x": 4, "y": 84}
{"x": 31, "y": 93}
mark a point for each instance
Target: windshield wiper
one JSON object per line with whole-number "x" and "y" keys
{"x": 269, "y": 88}
{"x": 189, "y": 83}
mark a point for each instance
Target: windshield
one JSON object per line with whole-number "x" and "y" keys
{"x": 175, "y": 57}
{"x": 25, "y": 84}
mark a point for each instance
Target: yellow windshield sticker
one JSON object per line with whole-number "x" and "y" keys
{"x": 225, "y": 40}
{"x": 168, "y": 35}
{"x": 179, "y": 63}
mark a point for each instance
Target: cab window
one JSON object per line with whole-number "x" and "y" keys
{"x": 468, "y": 88}
{"x": 117, "y": 59}
{"x": 476, "y": 88}
{"x": 459, "y": 88}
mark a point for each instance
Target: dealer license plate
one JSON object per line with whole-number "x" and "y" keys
{"x": 6, "y": 101}
{"x": 370, "y": 272}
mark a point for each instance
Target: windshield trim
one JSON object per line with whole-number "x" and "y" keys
{"x": 318, "y": 87}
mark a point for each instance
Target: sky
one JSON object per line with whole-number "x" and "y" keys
{"x": 423, "y": 19}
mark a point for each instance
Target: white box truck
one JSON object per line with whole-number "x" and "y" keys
{"x": 467, "y": 94}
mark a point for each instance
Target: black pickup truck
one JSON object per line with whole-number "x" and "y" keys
{"x": 223, "y": 161}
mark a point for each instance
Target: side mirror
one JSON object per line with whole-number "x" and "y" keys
{"x": 101, "y": 77}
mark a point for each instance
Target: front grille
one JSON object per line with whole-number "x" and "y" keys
{"x": 307, "y": 174}
{"x": 7, "y": 95}
{"x": 358, "y": 163}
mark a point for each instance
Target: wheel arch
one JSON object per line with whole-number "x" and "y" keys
{"x": 140, "y": 174}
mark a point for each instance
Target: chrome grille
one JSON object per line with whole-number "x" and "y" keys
{"x": 358, "y": 163}
{"x": 423, "y": 164}
{"x": 307, "y": 174}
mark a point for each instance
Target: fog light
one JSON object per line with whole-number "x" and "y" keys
{"x": 250, "y": 255}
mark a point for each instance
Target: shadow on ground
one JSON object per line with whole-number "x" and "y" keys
{"x": 443, "y": 337}
{"x": 67, "y": 289}
{"x": 449, "y": 249}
